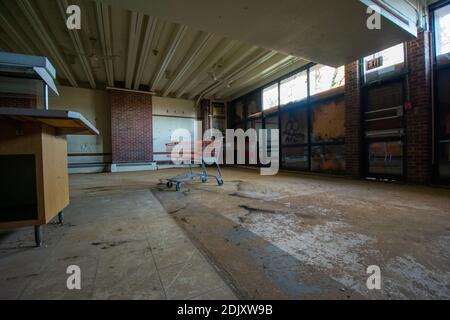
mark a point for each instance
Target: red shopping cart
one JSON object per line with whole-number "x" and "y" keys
{"x": 195, "y": 155}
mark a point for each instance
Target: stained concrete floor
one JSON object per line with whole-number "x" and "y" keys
{"x": 125, "y": 244}
{"x": 291, "y": 236}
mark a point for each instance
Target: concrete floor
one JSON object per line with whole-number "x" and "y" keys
{"x": 125, "y": 243}
{"x": 291, "y": 236}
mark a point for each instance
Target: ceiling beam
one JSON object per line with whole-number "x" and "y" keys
{"x": 43, "y": 34}
{"x": 198, "y": 47}
{"x": 232, "y": 62}
{"x": 78, "y": 45}
{"x": 5, "y": 45}
{"x": 104, "y": 29}
{"x": 247, "y": 67}
{"x": 258, "y": 75}
{"x": 177, "y": 36}
{"x": 134, "y": 37}
{"x": 149, "y": 35}
{"x": 12, "y": 33}
{"x": 217, "y": 53}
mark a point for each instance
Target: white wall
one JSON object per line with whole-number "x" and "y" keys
{"x": 94, "y": 106}
{"x": 168, "y": 115}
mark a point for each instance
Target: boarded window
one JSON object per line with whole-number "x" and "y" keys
{"x": 385, "y": 107}
{"x": 294, "y": 126}
{"x": 328, "y": 121}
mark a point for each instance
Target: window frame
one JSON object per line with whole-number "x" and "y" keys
{"x": 437, "y": 7}
{"x": 326, "y": 91}
{"x": 286, "y": 80}
{"x": 438, "y": 69}
{"x": 277, "y": 111}
{"x": 387, "y": 75}
{"x": 273, "y": 84}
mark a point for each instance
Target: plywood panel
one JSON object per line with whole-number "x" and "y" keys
{"x": 51, "y": 165}
{"x": 56, "y": 184}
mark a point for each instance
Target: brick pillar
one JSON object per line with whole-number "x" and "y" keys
{"x": 22, "y": 101}
{"x": 131, "y": 126}
{"x": 353, "y": 139}
{"x": 418, "y": 119}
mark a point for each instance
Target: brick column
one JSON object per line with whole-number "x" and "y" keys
{"x": 131, "y": 127}
{"x": 353, "y": 139}
{"x": 418, "y": 119}
{"x": 12, "y": 101}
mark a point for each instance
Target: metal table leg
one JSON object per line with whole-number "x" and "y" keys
{"x": 61, "y": 217}
{"x": 38, "y": 235}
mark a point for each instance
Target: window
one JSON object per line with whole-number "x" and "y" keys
{"x": 324, "y": 78}
{"x": 238, "y": 111}
{"x": 270, "y": 97}
{"x": 384, "y": 62}
{"x": 328, "y": 158}
{"x": 294, "y": 127}
{"x": 253, "y": 101}
{"x": 386, "y": 158}
{"x": 294, "y": 88}
{"x": 295, "y": 158}
{"x": 442, "y": 22}
{"x": 328, "y": 121}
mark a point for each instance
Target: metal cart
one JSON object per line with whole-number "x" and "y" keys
{"x": 191, "y": 176}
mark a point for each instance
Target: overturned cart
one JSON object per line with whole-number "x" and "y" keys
{"x": 197, "y": 157}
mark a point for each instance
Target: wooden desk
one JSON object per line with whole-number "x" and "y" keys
{"x": 34, "y": 184}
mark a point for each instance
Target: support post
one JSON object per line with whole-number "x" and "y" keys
{"x": 45, "y": 96}
{"x": 61, "y": 217}
{"x": 38, "y": 235}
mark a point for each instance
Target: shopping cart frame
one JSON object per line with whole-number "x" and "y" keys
{"x": 191, "y": 176}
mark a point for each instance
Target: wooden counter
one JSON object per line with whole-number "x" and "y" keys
{"x": 34, "y": 184}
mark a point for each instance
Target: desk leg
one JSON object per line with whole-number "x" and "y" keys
{"x": 38, "y": 235}
{"x": 61, "y": 217}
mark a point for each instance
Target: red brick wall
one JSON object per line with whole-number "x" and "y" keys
{"x": 131, "y": 126}
{"x": 418, "y": 119}
{"x": 353, "y": 146}
{"x": 18, "y": 102}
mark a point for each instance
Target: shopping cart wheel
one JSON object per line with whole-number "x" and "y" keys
{"x": 169, "y": 184}
{"x": 219, "y": 181}
{"x": 178, "y": 187}
{"x": 203, "y": 179}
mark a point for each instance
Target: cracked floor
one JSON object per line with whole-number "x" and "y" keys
{"x": 290, "y": 236}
